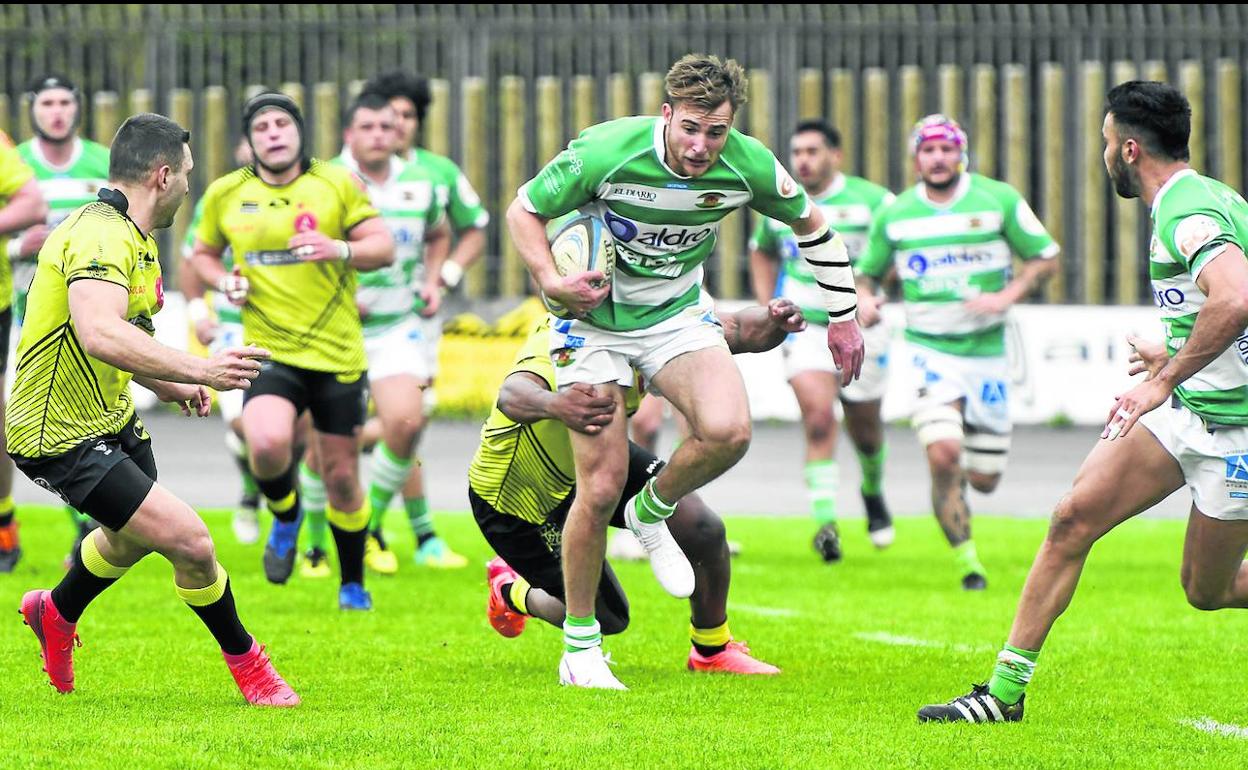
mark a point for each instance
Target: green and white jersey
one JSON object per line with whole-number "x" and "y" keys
{"x": 665, "y": 225}
{"x": 411, "y": 201}
{"x": 848, "y": 205}
{"x": 64, "y": 188}
{"x": 463, "y": 205}
{"x": 949, "y": 253}
{"x": 1194, "y": 219}
{"x": 68, "y": 187}
{"x": 221, "y": 307}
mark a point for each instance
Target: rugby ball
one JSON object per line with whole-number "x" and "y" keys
{"x": 581, "y": 244}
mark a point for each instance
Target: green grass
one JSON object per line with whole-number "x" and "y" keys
{"x": 425, "y": 682}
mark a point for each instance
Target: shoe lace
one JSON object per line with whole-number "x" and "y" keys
{"x": 739, "y": 646}
{"x": 650, "y": 535}
{"x": 70, "y": 643}
{"x": 260, "y": 676}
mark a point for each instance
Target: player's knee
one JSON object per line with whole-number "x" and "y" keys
{"x": 1069, "y": 530}
{"x": 730, "y": 436}
{"x": 944, "y": 458}
{"x": 1201, "y": 596}
{"x": 194, "y": 550}
{"x": 710, "y": 537}
{"x": 269, "y": 449}
{"x": 341, "y": 481}
{"x": 405, "y": 432}
{"x": 819, "y": 423}
{"x": 600, "y": 493}
{"x": 983, "y": 482}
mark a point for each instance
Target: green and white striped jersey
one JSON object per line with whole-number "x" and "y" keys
{"x": 949, "y": 253}
{"x": 411, "y": 201}
{"x": 463, "y": 206}
{"x": 1194, "y": 219}
{"x": 225, "y": 312}
{"x": 848, "y": 206}
{"x": 665, "y": 225}
{"x": 64, "y": 188}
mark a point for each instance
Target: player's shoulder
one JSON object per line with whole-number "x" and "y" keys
{"x": 433, "y": 163}
{"x": 905, "y": 200}
{"x": 865, "y": 188}
{"x": 230, "y": 183}
{"x": 413, "y": 171}
{"x": 27, "y": 152}
{"x": 744, "y": 149}
{"x": 996, "y": 188}
{"x": 94, "y": 152}
{"x": 627, "y": 133}
{"x": 6, "y": 142}
{"x": 96, "y": 221}
{"x": 337, "y": 175}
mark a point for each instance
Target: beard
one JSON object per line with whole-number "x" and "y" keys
{"x": 1126, "y": 184}
{"x": 945, "y": 185}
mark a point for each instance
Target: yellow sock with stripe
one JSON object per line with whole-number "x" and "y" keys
{"x": 710, "y": 641}
{"x": 516, "y": 595}
{"x": 86, "y": 579}
{"x": 6, "y": 511}
{"x": 350, "y": 530}
{"x": 214, "y": 604}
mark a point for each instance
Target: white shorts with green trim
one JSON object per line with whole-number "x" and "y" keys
{"x": 585, "y": 353}
{"x": 807, "y": 351}
{"x": 1214, "y": 459}
{"x": 400, "y": 350}
{"x": 980, "y": 382}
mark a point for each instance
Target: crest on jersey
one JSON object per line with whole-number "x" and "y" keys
{"x": 710, "y": 200}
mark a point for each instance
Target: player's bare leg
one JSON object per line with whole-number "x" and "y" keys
{"x": 816, "y": 394}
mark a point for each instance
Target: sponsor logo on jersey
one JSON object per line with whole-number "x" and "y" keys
{"x": 636, "y": 193}
{"x": 1241, "y": 346}
{"x": 562, "y": 357}
{"x": 279, "y": 203}
{"x": 250, "y": 207}
{"x": 667, "y": 237}
{"x": 575, "y": 164}
{"x": 1237, "y": 467}
{"x": 784, "y": 183}
{"x": 920, "y": 263}
{"x": 1170, "y": 297}
{"x": 305, "y": 222}
{"x": 710, "y": 200}
{"x": 993, "y": 392}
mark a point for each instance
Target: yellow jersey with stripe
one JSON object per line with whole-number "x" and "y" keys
{"x": 522, "y": 470}
{"x": 61, "y": 396}
{"x": 14, "y": 174}
{"x": 304, "y": 313}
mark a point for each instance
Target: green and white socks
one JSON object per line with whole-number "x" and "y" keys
{"x": 418, "y": 516}
{"x": 388, "y": 474}
{"x": 872, "y": 466}
{"x": 650, "y": 508}
{"x": 1012, "y": 673}
{"x": 581, "y": 634}
{"x": 314, "y": 502}
{"x": 967, "y": 559}
{"x": 821, "y": 479}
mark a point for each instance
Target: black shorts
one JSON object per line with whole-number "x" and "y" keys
{"x": 107, "y": 478}
{"x": 533, "y": 550}
{"x": 338, "y": 407}
{"x": 6, "y": 328}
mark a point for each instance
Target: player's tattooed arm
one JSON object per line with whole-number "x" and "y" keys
{"x": 527, "y": 399}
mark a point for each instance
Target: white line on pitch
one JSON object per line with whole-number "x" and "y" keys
{"x": 1207, "y": 725}
{"x": 909, "y": 641}
{"x": 771, "y": 612}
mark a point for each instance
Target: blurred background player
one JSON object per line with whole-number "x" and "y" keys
{"x": 295, "y": 279}
{"x": 70, "y": 171}
{"x": 951, "y": 239}
{"x": 392, "y": 302}
{"x": 410, "y": 97}
{"x": 217, "y": 328}
{"x": 848, "y": 203}
{"x": 21, "y": 206}
{"x": 521, "y": 489}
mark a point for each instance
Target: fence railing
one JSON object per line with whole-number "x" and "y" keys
{"x": 513, "y": 83}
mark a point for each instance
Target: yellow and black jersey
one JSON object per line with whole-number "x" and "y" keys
{"x": 526, "y": 471}
{"x": 61, "y": 396}
{"x": 304, "y": 313}
{"x": 14, "y": 174}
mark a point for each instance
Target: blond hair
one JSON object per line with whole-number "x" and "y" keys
{"x": 705, "y": 81}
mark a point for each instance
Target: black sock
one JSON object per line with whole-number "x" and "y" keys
{"x": 277, "y": 490}
{"x": 350, "y": 553}
{"x": 221, "y": 618}
{"x": 77, "y": 589}
{"x": 707, "y": 652}
{"x": 422, "y": 539}
{"x": 6, "y": 519}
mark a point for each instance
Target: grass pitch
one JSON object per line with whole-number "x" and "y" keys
{"x": 424, "y": 682}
